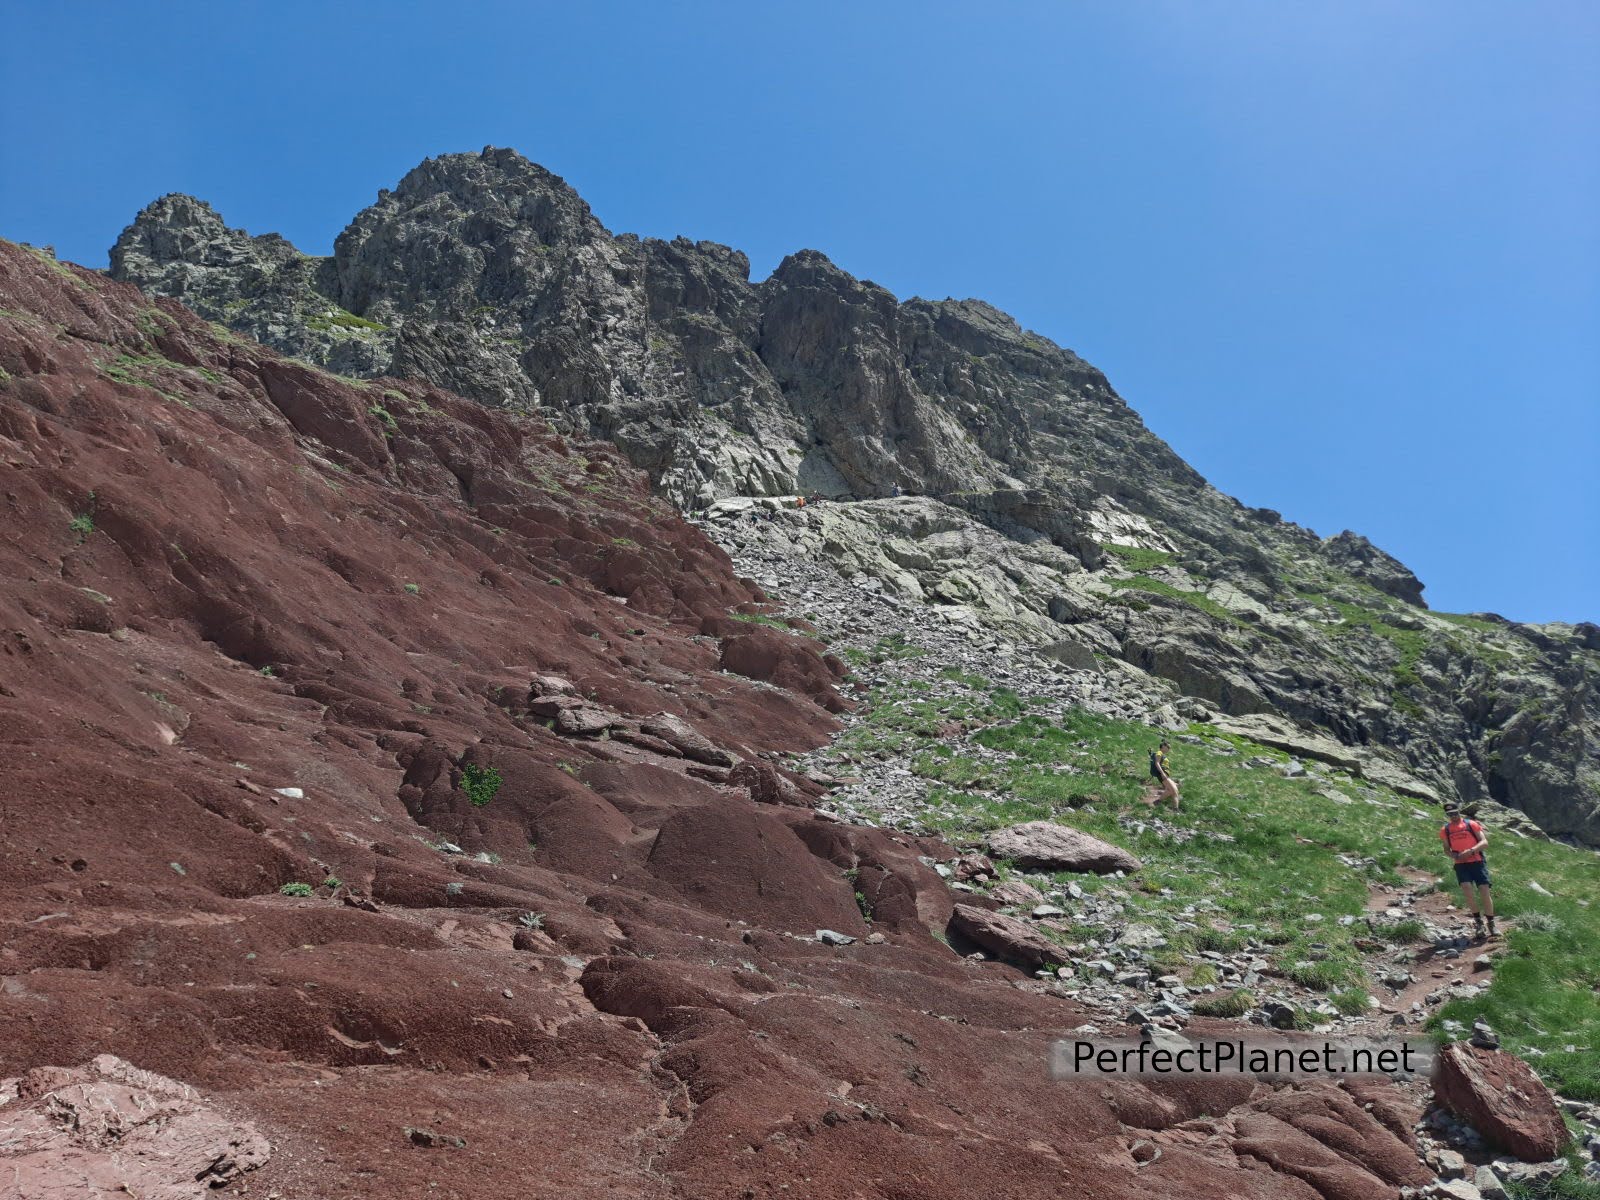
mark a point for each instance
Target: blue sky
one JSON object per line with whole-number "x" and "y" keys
{"x": 1344, "y": 257}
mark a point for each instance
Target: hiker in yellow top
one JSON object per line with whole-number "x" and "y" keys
{"x": 1161, "y": 773}
{"x": 1465, "y": 840}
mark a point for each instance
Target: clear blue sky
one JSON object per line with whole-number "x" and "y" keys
{"x": 1344, "y": 256}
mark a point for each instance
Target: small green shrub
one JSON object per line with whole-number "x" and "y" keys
{"x": 1352, "y": 1002}
{"x": 1540, "y": 922}
{"x": 531, "y": 920}
{"x": 1400, "y": 932}
{"x": 332, "y": 881}
{"x": 83, "y": 523}
{"x": 1322, "y": 976}
{"x": 390, "y": 425}
{"x": 414, "y": 589}
{"x": 296, "y": 889}
{"x": 1223, "y": 941}
{"x": 481, "y": 784}
{"x": 1225, "y": 1004}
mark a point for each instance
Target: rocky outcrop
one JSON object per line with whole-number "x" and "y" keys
{"x": 1044, "y": 506}
{"x": 1045, "y": 846}
{"x": 108, "y": 1129}
{"x": 1005, "y": 937}
{"x": 260, "y": 286}
{"x": 1499, "y": 1095}
{"x": 1371, "y": 565}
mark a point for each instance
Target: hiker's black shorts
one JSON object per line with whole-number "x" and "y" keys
{"x": 1477, "y": 872}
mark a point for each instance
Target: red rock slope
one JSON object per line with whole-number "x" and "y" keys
{"x": 223, "y": 574}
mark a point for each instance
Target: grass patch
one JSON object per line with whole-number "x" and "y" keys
{"x": 762, "y": 619}
{"x": 896, "y": 645}
{"x": 1142, "y": 583}
{"x": 1399, "y": 932}
{"x": 390, "y": 425}
{"x": 1467, "y": 621}
{"x": 1225, "y": 1004}
{"x": 1352, "y": 1002}
{"x": 153, "y": 373}
{"x": 1409, "y": 644}
{"x": 1274, "y": 873}
{"x": 1137, "y": 558}
{"x": 339, "y": 318}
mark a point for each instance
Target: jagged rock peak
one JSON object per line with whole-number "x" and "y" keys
{"x": 1383, "y": 571}
{"x": 181, "y": 229}
{"x": 496, "y": 182}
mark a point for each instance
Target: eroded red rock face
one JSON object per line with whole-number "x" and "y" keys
{"x": 1503, "y": 1099}
{"x": 215, "y": 681}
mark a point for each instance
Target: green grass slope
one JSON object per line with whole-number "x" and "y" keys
{"x": 1295, "y": 853}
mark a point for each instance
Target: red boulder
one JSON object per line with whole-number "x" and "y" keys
{"x": 1499, "y": 1095}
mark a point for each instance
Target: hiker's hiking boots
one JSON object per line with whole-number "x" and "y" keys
{"x": 1477, "y": 927}
{"x": 1493, "y": 932}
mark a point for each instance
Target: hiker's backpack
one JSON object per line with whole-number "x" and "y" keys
{"x": 1155, "y": 766}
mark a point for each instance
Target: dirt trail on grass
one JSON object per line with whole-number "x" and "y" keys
{"x": 1433, "y": 968}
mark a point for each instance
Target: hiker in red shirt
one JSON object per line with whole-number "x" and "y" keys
{"x": 1465, "y": 840}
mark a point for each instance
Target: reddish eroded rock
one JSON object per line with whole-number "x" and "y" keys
{"x": 685, "y": 739}
{"x": 1015, "y": 893}
{"x": 767, "y": 785}
{"x": 1396, "y": 1110}
{"x": 788, "y": 661}
{"x": 1337, "y": 1121}
{"x": 1005, "y": 937}
{"x": 971, "y": 865}
{"x": 1330, "y": 1173}
{"x": 1046, "y": 846}
{"x": 903, "y": 894}
{"x": 1499, "y": 1095}
{"x": 109, "y": 1129}
{"x": 736, "y": 859}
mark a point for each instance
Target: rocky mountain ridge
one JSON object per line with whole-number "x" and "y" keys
{"x": 488, "y": 275}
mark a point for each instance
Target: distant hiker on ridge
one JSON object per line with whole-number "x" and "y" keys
{"x": 1161, "y": 773}
{"x": 1465, "y": 840}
